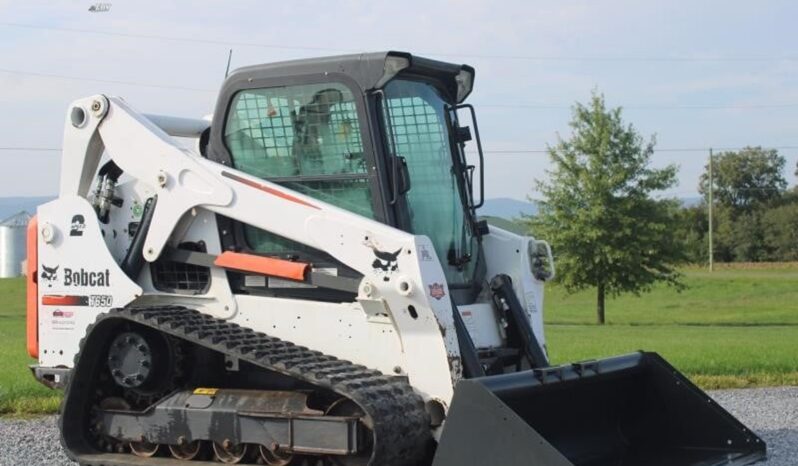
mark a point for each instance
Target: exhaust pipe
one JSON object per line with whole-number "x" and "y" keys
{"x": 632, "y": 410}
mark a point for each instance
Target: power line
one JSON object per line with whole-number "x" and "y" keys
{"x": 645, "y": 107}
{"x": 563, "y": 58}
{"x": 484, "y": 105}
{"x": 514, "y": 151}
{"x": 721, "y": 149}
{"x": 497, "y": 151}
{"x": 31, "y": 149}
{"x": 179, "y": 39}
{"x": 675, "y": 149}
{"x": 104, "y": 81}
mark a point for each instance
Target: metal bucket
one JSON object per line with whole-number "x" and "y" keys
{"x": 632, "y": 410}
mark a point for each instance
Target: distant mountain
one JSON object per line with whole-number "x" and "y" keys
{"x": 13, "y": 205}
{"x": 507, "y": 208}
{"x": 691, "y": 201}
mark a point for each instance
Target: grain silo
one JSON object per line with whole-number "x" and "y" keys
{"x": 12, "y": 244}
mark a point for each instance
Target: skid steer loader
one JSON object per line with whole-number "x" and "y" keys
{"x": 303, "y": 279}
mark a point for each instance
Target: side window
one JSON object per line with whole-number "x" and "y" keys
{"x": 416, "y": 124}
{"x": 306, "y": 138}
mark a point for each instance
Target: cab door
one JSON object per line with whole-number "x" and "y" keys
{"x": 309, "y": 138}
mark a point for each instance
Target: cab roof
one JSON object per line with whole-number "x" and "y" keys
{"x": 371, "y": 71}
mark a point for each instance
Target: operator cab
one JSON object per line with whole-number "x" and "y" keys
{"x": 378, "y": 134}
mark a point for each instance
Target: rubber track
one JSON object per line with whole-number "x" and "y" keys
{"x": 394, "y": 412}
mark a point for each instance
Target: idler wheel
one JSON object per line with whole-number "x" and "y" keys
{"x": 130, "y": 360}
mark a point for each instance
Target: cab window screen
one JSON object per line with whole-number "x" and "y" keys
{"x": 415, "y": 118}
{"x": 306, "y": 138}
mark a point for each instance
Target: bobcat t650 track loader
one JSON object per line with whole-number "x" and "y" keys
{"x": 311, "y": 285}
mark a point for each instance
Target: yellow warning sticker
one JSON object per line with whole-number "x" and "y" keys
{"x": 206, "y": 391}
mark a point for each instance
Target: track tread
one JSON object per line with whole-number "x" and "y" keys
{"x": 394, "y": 412}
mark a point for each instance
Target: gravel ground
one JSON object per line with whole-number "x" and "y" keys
{"x": 771, "y": 412}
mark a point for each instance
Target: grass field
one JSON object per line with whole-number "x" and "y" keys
{"x": 731, "y": 328}
{"x": 20, "y": 394}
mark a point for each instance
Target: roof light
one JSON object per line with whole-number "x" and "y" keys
{"x": 393, "y": 65}
{"x": 465, "y": 82}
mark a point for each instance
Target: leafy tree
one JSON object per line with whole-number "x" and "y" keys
{"x": 748, "y": 178}
{"x": 780, "y": 227}
{"x": 692, "y": 226}
{"x": 598, "y": 213}
{"x": 724, "y": 234}
{"x": 748, "y": 237}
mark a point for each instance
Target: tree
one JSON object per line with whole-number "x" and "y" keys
{"x": 780, "y": 226}
{"x": 725, "y": 233}
{"x": 748, "y": 237}
{"x": 598, "y": 213}
{"x": 692, "y": 227}
{"x": 745, "y": 179}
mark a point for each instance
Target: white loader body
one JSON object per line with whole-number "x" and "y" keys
{"x": 377, "y": 330}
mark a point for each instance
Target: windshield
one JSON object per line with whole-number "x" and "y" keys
{"x": 415, "y": 116}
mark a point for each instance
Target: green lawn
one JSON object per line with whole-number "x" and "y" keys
{"x": 20, "y": 394}
{"x": 723, "y": 297}
{"x": 730, "y": 328}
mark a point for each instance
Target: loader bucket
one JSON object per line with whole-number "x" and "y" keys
{"x": 632, "y": 410}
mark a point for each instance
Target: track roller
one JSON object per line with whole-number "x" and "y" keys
{"x": 230, "y": 454}
{"x": 275, "y": 457}
{"x": 187, "y": 451}
{"x": 144, "y": 448}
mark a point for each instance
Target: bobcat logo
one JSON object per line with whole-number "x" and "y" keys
{"x": 49, "y": 274}
{"x": 385, "y": 263}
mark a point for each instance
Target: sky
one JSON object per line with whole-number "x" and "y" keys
{"x": 720, "y": 74}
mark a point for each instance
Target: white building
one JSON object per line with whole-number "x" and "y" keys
{"x": 12, "y": 244}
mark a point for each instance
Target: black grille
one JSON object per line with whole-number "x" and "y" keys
{"x": 176, "y": 277}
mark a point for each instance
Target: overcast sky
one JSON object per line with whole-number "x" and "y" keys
{"x": 696, "y": 74}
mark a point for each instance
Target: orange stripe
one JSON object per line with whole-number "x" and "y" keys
{"x": 262, "y": 265}
{"x": 32, "y": 298}
{"x": 60, "y": 300}
{"x": 266, "y": 189}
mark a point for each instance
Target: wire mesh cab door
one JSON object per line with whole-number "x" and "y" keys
{"x": 311, "y": 136}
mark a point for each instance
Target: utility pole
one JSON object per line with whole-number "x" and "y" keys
{"x": 711, "y": 188}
